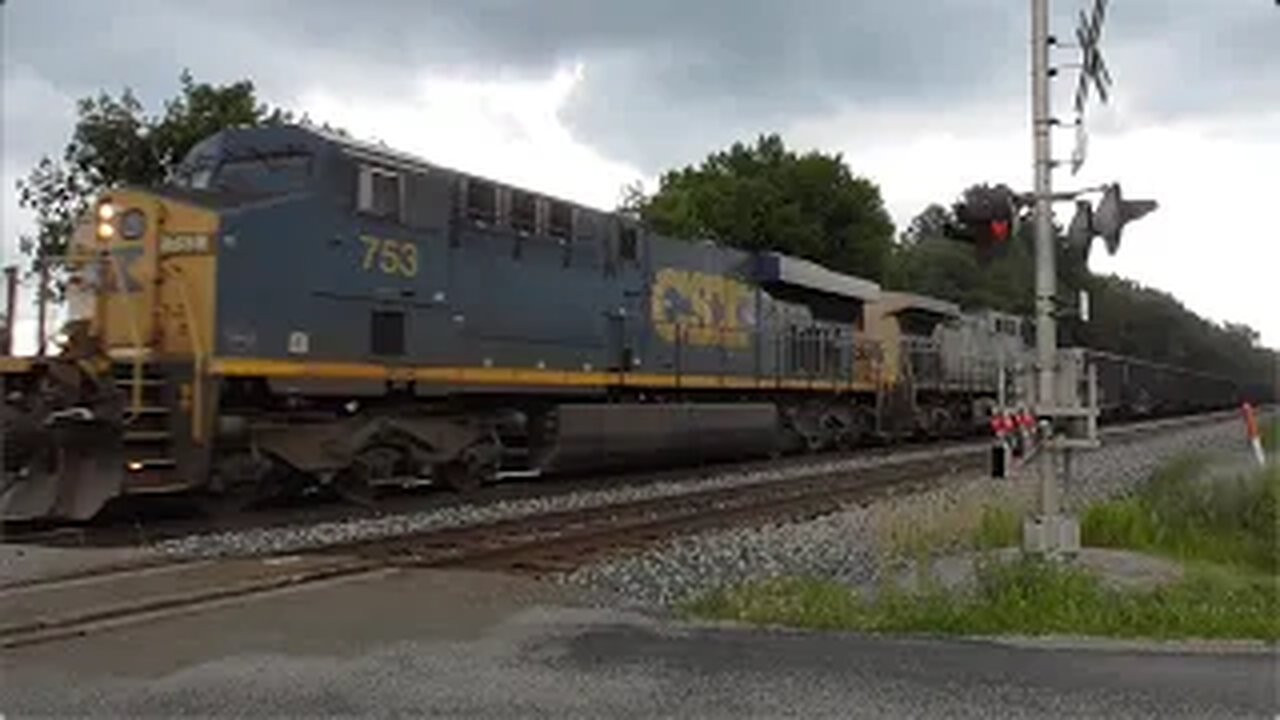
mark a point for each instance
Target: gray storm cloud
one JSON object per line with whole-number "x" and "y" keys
{"x": 664, "y": 79}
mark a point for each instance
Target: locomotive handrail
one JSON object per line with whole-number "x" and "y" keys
{"x": 199, "y": 359}
{"x": 135, "y": 334}
{"x": 135, "y": 392}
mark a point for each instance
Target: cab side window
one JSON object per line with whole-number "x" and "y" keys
{"x": 380, "y": 193}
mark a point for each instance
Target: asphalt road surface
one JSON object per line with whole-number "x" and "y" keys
{"x": 472, "y": 645}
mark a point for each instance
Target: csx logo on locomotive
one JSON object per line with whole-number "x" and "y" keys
{"x": 702, "y": 309}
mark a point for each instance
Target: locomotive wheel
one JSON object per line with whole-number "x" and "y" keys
{"x": 471, "y": 468}
{"x": 458, "y": 477}
{"x": 373, "y": 467}
{"x": 243, "y": 483}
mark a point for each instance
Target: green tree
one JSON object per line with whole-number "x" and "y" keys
{"x": 1135, "y": 320}
{"x": 767, "y": 197}
{"x": 115, "y": 142}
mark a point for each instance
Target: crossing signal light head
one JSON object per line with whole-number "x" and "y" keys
{"x": 1107, "y": 220}
{"x": 985, "y": 217}
{"x": 1114, "y": 212}
{"x": 999, "y": 230}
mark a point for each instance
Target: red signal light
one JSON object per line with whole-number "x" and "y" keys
{"x": 1000, "y": 230}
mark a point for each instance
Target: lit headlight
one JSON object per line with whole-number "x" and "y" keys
{"x": 106, "y": 211}
{"x": 133, "y": 224}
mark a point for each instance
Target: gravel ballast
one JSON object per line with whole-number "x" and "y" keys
{"x": 274, "y": 540}
{"x": 854, "y": 545}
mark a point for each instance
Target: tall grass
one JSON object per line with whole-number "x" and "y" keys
{"x": 1026, "y": 596}
{"x": 1228, "y": 520}
{"x": 1224, "y": 529}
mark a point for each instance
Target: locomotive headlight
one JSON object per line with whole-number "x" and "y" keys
{"x": 106, "y": 211}
{"x": 106, "y": 230}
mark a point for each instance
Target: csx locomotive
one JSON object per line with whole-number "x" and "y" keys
{"x": 295, "y": 308}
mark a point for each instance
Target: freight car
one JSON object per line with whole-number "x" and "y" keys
{"x": 1130, "y": 388}
{"x": 297, "y": 308}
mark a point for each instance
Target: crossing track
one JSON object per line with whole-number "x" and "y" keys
{"x": 538, "y": 544}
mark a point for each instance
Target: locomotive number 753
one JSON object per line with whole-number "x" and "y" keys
{"x": 390, "y": 257}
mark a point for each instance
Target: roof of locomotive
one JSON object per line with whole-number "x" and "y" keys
{"x": 894, "y": 302}
{"x": 771, "y": 267}
{"x": 775, "y": 267}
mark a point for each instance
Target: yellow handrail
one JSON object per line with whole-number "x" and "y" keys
{"x": 198, "y": 357}
{"x": 135, "y": 396}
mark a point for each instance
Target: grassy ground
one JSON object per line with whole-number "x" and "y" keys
{"x": 1224, "y": 532}
{"x": 1230, "y": 521}
{"x": 1270, "y": 434}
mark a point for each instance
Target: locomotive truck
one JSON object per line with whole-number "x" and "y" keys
{"x": 294, "y": 308}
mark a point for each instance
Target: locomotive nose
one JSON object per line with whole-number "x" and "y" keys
{"x": 140, "y": 289}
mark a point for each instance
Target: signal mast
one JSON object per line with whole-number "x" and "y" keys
{"x": 987, "y": 217}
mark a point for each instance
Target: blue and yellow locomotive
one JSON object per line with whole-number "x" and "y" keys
{"x": 297, "y": 308}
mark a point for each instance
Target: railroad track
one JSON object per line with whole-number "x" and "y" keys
{"x": 176, "y": 518}
{"x": 56, "y": 609}
{"x": 539, "y": 544}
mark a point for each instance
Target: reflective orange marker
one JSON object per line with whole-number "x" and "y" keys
{"x": 1251, "y": 430}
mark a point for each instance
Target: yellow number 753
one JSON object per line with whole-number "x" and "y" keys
{"x": 391, "y": 257}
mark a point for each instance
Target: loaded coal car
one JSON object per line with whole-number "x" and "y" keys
{"x": 1130, "y": 387}
{"x": 296, "y": 308}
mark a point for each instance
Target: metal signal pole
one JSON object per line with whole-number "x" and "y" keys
{"x": 1046, "y": 536}
{"x": 1041, "y": 123}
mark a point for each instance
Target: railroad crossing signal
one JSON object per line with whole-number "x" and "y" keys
{"x": 1093, "y": 68}
{"x": 1093, "y": 72}
{"x": 1107, "y": 221}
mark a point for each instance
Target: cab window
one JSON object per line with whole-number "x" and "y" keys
{"x": 261, "y": 173}
{"x": 380, "y": 194}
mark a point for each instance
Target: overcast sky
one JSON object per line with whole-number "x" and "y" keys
{"x": 579, "y": 97}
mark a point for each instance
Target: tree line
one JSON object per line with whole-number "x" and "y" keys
{"x": 760, "y": 195}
